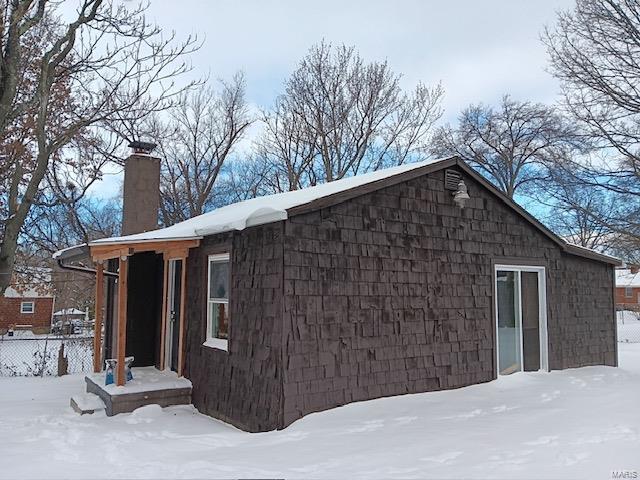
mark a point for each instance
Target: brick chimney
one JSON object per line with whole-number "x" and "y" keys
{"x": 634, "y": 268}
{"x": 141, "y": 192}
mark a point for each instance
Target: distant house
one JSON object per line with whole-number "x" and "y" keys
{"x": 69, "y": 321}
{"x": 69, "y": 314}
{"x": 27, "y": 304}
{"x": 628, "y": 288}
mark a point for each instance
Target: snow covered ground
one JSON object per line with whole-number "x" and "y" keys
{"x": 580, "y": 423}
{"x": 27, "y": 354}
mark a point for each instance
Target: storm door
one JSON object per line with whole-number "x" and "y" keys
{"x": 172, "y": 333}
{"x": 521, "y": 330}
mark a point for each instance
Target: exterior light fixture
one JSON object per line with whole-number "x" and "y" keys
{"x": 461, "y": 195}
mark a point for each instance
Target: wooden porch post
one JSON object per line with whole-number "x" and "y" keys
{"x": 97, "y": 332}
{"x": 122, "y": 320}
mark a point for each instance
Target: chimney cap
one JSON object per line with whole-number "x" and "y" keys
{"x": 142, "y": 147}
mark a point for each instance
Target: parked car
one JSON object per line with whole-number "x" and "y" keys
{"x": 66, "y": 327}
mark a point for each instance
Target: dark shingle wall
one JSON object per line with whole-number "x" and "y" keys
{"x": 391, "y": 293}
{"x": 243, "y": 386}
{"x": 384, "y": 294}
{"x": 583, "y": 328}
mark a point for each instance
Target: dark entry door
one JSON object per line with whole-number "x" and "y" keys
{"x": 530, "y": 321}
{"x": 173, "y": 314}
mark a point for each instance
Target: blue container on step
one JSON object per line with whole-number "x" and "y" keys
{"x": 111, "y": 364}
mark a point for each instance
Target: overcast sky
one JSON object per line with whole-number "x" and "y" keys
{"x": 478, "y": 50}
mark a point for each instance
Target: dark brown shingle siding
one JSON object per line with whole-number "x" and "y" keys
{"x": 391, "y": 293}
{"x": 243, "y": 386}
{"x": 383, "y": 294}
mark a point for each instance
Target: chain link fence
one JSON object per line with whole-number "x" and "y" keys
{"x": 628, "y": 326}
{"x": 26, "y": 354}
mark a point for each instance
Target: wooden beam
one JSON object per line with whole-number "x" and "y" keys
{"x": 174, "y": 253}
{"x": 122, "y": 320}
{"x": 97, "y": 332}
{"x": 116, "y": 250}
{"x": 103, "y": 254}
{"x": 183, "y": 290}
{"x": 163, "y": 328}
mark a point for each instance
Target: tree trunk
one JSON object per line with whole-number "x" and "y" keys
{"x": 8, "y": 253}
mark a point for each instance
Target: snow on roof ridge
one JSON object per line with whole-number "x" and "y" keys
{"x": 261, "y": 210}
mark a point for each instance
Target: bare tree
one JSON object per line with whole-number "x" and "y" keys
{"x": 51, "y": 227}
{"x": 512, "y": 145}
{"x": 340, "y": 116}
{"x": 107, "y": 60}
{"x": 198, "y": 137}
{"x": 579, "y": 214}
{"x": 245, "y": 178}
{"x": 54, "y": 225}
{"x": 595, "y": 52}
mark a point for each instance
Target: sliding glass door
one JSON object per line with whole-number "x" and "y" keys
{"x": 521, "y": 334}
{"x": 509, "y": 329}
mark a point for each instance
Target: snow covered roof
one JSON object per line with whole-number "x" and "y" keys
{"x": 69, "y": 311}
{"x": 28, "y": 291}
{"x": 30, "y": 282}
{"x": 624, "y": 278}
{"x": 62, "y": 253}
{"x": 261, "y": 210}
{"x": 273, "y": 208}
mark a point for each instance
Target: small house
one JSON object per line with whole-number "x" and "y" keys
{"x": 27, "y": 304}
{"x": 416, "y": 278}
{"x": 628, "y": 288}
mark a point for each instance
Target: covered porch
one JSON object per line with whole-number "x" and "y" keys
{"x": 143, "y": 308}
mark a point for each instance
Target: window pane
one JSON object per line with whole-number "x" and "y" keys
{"x": 219, "y": 320}
{"x": 509, "y": 360}
{"x": 218, "y": 280}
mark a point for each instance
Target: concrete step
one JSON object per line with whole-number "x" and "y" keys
{"x": 87, "y": 403}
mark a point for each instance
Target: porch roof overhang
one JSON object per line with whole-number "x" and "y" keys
{"x": 122, "y": 248}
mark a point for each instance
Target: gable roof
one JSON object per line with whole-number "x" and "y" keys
{"x": 30, "y": 282}
{"x": 269, "y": 208}
{"x": 277, "y": 207}
{"x": 625, "y": 278}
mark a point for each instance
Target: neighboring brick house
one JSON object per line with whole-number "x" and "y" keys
{"x": 27, "y": 306}
{"x": 628, "y": 288}
{"x": 417, "y": 278}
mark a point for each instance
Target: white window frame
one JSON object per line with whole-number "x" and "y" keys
{"x": 628, "y": 292}
{"x": 211, "y": 341}
{"x": 28, "y": 302}
{"x": 542, "y": 313}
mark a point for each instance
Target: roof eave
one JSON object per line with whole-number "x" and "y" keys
{"x": 76, "y": 252}
{"x": 105, "y": 242}
{"x": 587, "y": 253}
